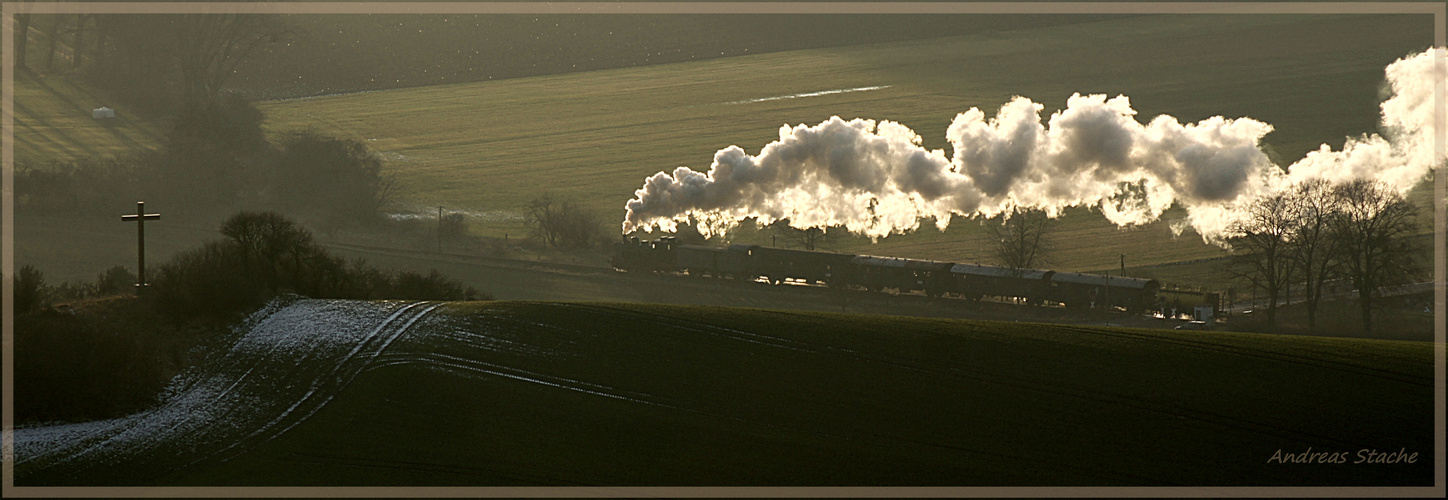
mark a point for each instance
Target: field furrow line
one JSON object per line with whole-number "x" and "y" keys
{"x": 1056, "y": 387}
{"x": 1426, "y": 382}
{"x": 411, "y": 312}
{"x": 755, "y": 338}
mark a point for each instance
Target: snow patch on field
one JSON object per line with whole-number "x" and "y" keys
{"x": 809, "y": 94}
{"x": 286, "y": 357}
{"x": 295, "y": 356}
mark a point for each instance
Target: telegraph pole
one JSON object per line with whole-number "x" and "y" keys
{"x": 439, "y": 229}
{"x": 140, "y": 217}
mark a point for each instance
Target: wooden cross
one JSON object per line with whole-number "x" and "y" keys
{"x": 140, "y": 218}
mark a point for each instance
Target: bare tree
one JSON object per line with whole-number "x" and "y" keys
{"x": 22, "y": 38}
{"x": 563, "y": 223}
{"x": 185, "y": 58}
{"x": 1371, "y": 226}
{"x": 52, "y": 40}
{"x": 1022, "y": 238}
{"x": 209, "y": 47}
{"x": 1313, "y": 246}
{"x": 1263, "y": 235}
{"x": 78, "y": 48}
{"x": 272, "y": 247}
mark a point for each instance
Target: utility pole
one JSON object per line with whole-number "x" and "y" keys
{"x": 1108, "y": 291}
{"x": 1123, "y": 264}
{"x": 141, "y": 217}
{"x": 439, "y": 229}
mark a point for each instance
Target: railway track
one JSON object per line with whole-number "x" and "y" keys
{"x": 478, "y": 260}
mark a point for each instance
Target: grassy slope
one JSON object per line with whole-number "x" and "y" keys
{"x": 489, "y": 147}
{"x": 355, "y": 53}
{"x": 477, "y": 146}
{"x": 774, "y": 398}
{"x": 53, "y": 122}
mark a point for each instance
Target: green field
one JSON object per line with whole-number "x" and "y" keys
{"x": 53, "y": 123}
{"x": 519, "y": 393}
{"x": 592, "y": 136}
{"x": 488, "y": 148}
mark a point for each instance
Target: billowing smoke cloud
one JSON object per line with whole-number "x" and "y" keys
{"x": 874, "y": 178}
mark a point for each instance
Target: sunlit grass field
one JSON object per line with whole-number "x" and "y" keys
{"x": 488, "y": 148}
{"x": 53, "y": 123}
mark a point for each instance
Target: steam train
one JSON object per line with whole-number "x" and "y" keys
{"x": 934, "y": 278}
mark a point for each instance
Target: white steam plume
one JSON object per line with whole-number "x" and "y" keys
{"x": 875, "y": 179}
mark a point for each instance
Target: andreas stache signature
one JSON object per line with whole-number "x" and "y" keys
{"x": 1363, "y": 456}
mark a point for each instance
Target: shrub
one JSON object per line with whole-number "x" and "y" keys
{"x": 266, "y": 254}
{"x": 433, "y": 286}
{"x": 453, "y": 226}
{"x": 209, "y": 281}
{"x": 227, "y": 124}
{"x": 114, "y": 281}
{"x": 110, "y": 359}
{"x": 563, "y": 223}
{"x": 269, "y": 245}
{"x": 29, "y": 289}
{"x": 333, "y": 182}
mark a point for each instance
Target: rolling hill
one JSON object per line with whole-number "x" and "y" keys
{"x": 316, "y": 392}
{"x": 487, "y": 148}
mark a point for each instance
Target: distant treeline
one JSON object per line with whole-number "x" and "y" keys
{"x": 95, "y": 350}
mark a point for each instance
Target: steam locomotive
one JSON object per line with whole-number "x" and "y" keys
{"x": 934, "y": 278}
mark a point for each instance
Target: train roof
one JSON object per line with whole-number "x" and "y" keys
{"x": 801, "y": 251}
{"x": 1097, "y": 279}
{"x": 998, "y": 272}
{"x": 702, "y": 248}
{"x": 900, "y": 262}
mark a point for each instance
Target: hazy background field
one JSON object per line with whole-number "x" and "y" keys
{"x": 486, "y": 148}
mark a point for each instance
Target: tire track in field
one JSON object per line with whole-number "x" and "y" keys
{"x": 199, "y": 412}
{"x": 475, "y": 367}
{"x": 226, "y": 403}
{"x": 456, "y": 363}
{"x": 1055, "y": 387}
{"x": 328, "y": 384}
{"x": 95, "y": 436}
{"x": 1260, "y": 353}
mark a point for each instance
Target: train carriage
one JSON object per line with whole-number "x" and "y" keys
{"x": 1078, "y": 290}
{"x": 905, "y": 275}
{"x": 779, "y": 264}
{"x": 751, "y": 262}
{"x": 975, "y": 281}
{"x": 702, "y": 261}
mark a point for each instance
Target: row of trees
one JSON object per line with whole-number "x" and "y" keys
{"x": 264, "y": 254}
{"x": 151, "y": 60}
{"x": 1318, "y": 232}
